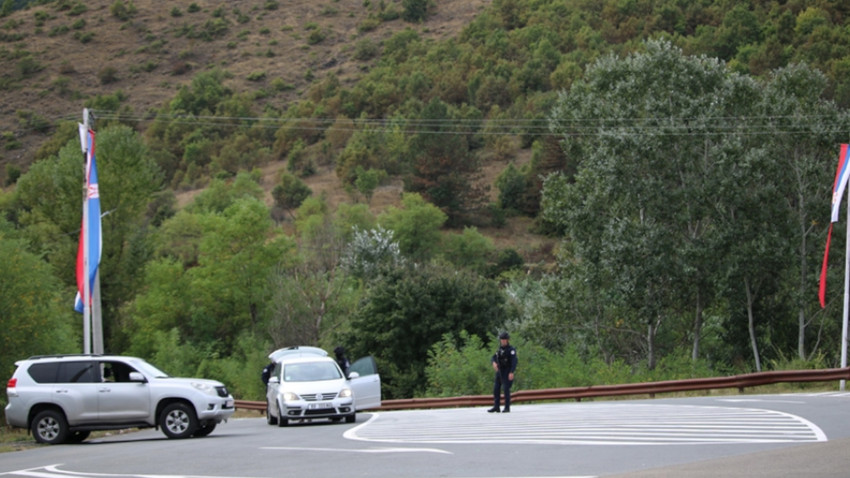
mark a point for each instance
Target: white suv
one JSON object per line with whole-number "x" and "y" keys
{"x": 62, "y": 398}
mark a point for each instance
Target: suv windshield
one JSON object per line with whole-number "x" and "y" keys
{"x": 149, "y": 369}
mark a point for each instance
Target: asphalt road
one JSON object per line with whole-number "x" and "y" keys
{"x": 747, "y": 436}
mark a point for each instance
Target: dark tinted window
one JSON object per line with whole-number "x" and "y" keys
{"x": 44, "y": 372}
{"x": 64, "y": 372}
{"x": 76, "y": 372}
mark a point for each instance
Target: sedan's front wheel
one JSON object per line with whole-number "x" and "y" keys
{"x": 271, "y": 420}
{"x": 281, "y": 422}
{"x": 178, "y": 420}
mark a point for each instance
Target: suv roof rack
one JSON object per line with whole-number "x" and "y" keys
{"x": 35, "y": 357}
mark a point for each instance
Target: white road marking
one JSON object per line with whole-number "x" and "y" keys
{"x": 53, "y": 471}
{"x": 368, "y": 450}
{"x": 590, "y": 424}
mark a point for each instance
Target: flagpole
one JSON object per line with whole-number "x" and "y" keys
{"x": 96, "y": 315}
{"x": 97, "y": 321}
{"x": 846, "y": 296}
{"x": 86, "y": 288}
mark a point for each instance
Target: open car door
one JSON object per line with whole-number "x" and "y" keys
{"x": 367, "y": 386}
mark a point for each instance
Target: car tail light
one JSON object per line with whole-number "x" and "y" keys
{"x": 12, "y": 382}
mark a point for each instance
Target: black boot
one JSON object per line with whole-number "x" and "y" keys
{"x": 493, "y": 410}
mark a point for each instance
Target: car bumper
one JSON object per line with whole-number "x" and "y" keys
{"x": 217, "y": 410}
{"x": 329, "y": 409}
{"x": 13, "y": 418}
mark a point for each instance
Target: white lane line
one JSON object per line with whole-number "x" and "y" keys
{"x": 368, "y": 450}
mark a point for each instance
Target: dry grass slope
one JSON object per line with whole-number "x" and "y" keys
{"x": 74, "y": 56}
{"x": 71, "y": 56}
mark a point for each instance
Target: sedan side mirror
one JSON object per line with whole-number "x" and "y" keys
{"x": 274, "y": 380}
{"x": 353, "y": 375}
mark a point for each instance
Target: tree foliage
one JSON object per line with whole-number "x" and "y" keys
{"x": 408, "y": 309}
{"x": 675, "y": 210}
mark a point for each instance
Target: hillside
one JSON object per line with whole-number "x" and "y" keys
{"x": 56, "y": 57}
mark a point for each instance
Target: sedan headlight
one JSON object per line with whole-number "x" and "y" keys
{"x": 290, "y": 397}
{"x": 205, "y": 388}
{"x": 345, "y": 393}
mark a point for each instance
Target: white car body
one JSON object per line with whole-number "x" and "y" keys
{"x": 309, "y": 385}
{"x": 110, "y": 392}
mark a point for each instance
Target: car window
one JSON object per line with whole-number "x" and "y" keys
{"x": 116, "y": 371}
{"x": 365, "y": 366}
{"x": 77, "y": 372}
{"x": 311, "y": 372}
{"x": 44, "y": 372}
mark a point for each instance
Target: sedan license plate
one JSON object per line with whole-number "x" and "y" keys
{"x": 320, "y": 405}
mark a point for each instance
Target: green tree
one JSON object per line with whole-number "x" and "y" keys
{"x": 415, "y": 10}
{"x": 416, "y": 225}
{"x": 290, "y": 192}
{"x": 213, "y": 302}
{"x": 642, "y": 200}
{"x": 469, "y": 249}
{"x": 35, "y": 308}
{"x": 407, "y": 311}
{"x": 443, "y": 167}
{"x": 49, "y": 207}
{"x": 806, "y": 131}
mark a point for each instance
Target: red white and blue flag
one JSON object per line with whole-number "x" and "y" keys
{"x": 90, "y": 239}
{"x": 838, "y": 187}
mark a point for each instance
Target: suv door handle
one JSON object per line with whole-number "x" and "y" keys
{"x": 104, "y": 390}
{"x": 62, "y": 390}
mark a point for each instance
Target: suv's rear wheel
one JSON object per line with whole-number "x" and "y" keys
{"x": 49, "y": 427}
{"x": 178, "y": 420}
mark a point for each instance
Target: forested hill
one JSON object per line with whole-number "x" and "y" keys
{"x": 243, "y": 147}
{"x": 491, "y": 60}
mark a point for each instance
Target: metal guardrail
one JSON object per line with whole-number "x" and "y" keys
{"x": 740, "y": 382}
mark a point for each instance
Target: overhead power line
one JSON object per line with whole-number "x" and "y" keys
{"x": 678, "y": 126}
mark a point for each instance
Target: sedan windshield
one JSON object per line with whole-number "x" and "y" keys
{"x": 311, "y": 372}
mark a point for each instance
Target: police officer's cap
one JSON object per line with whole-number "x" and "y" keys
{"x": 504, "y": 335}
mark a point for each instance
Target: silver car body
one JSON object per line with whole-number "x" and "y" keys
{"x": 312, "y": 386}
{"x": 107, "y": 392}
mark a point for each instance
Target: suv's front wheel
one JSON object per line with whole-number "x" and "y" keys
{"x": 178, "y": 420}
{"x": 49, "y": 427}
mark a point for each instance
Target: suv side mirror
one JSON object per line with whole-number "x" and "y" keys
{"x": 353, "y": 375}
{"x": 137, "y": 377}
{"x": 274, "y": 380}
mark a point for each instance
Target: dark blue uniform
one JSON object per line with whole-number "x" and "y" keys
{"x": 267, "y": 373}
{"x": 506, "y": 359}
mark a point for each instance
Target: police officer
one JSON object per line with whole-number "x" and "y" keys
{"x": 342, "y": 361}
{"x": 267, "y": 372}
{"x": 504, "y": 363}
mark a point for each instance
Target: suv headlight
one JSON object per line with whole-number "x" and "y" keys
{"x": 290, "y": 397}
{"x": 205, "y": 388}
{"x": 345, "y": 393}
